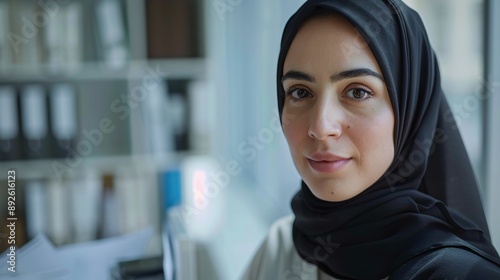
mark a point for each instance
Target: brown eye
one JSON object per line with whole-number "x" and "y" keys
{"x": 298, "y": 94}
{"x": 358, "y": 93}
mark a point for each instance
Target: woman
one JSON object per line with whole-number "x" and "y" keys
{"x": 387, "y": 190}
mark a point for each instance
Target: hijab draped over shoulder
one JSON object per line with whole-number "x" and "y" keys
{"x": 428, "y": 198}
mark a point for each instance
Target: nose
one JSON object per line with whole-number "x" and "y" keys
{"x": 326, "y": 120}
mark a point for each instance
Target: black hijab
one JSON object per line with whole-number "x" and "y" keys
{"x": 428, "y": 198}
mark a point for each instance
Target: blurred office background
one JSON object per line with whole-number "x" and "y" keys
{"x": 113, "y": 112}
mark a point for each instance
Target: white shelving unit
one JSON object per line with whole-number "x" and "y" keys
{"x": 97, "y": 86}
{"x": 173, "y": 68}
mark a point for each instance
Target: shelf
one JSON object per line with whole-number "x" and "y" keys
{"x": 44, "y": 168}
{"x": 175, "y": 68}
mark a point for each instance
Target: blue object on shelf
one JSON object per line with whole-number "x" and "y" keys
{"x": 172, "y": 188}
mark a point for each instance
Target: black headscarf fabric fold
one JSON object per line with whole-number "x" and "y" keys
{"x": 428, "y": 198}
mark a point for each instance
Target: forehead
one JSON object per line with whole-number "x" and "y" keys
{"x": 328, "y": 41}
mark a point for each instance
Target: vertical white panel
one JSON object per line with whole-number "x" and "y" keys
{"x": 493, "y": 117}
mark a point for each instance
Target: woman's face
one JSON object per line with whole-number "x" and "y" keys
{"x": 337, "y": 115}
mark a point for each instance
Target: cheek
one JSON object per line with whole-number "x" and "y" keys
{"x": 375, "y": 139}
{"x": 295, "y": 132}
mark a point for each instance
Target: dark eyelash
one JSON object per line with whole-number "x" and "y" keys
{"x": 368, "y": 91}
{"x": 364, "y": 88}
{"x": 288, "y": 93}
{"x": 290, "y": 90}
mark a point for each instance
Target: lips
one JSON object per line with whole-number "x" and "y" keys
{"x": 327, "y": 162}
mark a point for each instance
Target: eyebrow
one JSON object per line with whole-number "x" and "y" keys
{"x": 359, "y": 72}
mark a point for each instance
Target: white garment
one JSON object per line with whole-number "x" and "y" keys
{"x": 277, "y": 258}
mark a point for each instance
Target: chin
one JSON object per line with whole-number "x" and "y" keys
{"x": 331, "y": 191}
{"x": 334, "y": 197}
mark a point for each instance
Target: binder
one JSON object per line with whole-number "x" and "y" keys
{"x": 59, "y": 210}
{"x": 34, "y": 120}
{"x": 85, "y": 200}
{"x": 112, "y": 36}
{"x": 126, "y": 194}
{"x": 109, "y": 224}
{"x": 63, "y": 38}
{"x": 36, "y": 208}
{"x": 74, "y": 34}
{"x": 171, "y": 188}
{"x": 53, "y": 40}
{"x": 147, "y": 190}
{"x": 9, "y": 124}
{"x": 63, "y": 117}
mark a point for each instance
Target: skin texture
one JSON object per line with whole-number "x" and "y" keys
{"x": 348, "y": 118}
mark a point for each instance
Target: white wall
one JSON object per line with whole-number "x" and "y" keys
{"x": 244, "y": 48}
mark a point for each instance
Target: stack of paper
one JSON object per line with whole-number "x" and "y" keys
{"x": 39, "y": 259}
